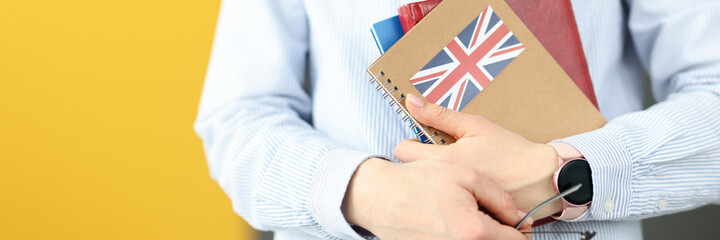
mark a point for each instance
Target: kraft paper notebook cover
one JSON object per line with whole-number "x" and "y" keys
{"x": 551, "y": 21}
{"x": 517, "y": 83}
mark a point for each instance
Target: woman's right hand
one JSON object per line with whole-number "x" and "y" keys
{"x": 429, "y": 200}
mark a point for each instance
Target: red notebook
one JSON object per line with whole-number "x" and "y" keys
{"x": 551, "y": 21}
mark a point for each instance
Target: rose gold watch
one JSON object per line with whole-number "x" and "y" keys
{"x": 572, "y": 169}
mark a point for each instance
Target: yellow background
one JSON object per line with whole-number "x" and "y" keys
{"x": 98, "y": 100}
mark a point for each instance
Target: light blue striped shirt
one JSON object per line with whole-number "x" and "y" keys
{"x": 285, "y": 155}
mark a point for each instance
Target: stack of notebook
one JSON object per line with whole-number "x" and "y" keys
{"x": 480, "y": 57}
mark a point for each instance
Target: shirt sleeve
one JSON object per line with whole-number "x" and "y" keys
{"x": 279, "y": 172}
{"x": 667, "y": 158}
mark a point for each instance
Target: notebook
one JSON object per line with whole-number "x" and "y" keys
{"x": 551, "y": 21}
{"x": 386, "y": 33}
{"x": 477, "y": 57}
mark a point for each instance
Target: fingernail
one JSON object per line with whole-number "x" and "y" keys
{"x": 522, "y": 214}
{"x": 415, "y": 101}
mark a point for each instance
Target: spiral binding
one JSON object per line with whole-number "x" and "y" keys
{"x": 389, "y": 92}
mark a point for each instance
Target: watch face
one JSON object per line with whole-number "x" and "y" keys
{"x": 574, "y": 172}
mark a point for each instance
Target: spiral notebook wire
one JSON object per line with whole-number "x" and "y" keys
{"x": 421, "y": 132}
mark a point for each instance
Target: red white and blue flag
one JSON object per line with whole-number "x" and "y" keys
{"x": 469, "y": 62}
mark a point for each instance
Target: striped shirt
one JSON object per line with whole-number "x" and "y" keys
{"x": 284, "y": 152}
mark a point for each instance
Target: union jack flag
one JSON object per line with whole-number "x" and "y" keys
{"x": 469, "y": 62}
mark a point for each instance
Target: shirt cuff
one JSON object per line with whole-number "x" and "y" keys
{"x": 612, "y": 168}
{"x": 328, "y": 190}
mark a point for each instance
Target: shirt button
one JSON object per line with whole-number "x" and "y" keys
{"x": 662, "y": 204}
{"x": 609, "y": 206}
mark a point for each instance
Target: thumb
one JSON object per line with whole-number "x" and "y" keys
{"x": 411, "y": 150}
{"x": 452, "y": 122}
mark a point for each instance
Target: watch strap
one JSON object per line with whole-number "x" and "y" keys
{"x": 571, "y": 213}
{"x": 565, "y": 151}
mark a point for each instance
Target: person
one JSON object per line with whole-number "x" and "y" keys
{"x": 309, "y": 159}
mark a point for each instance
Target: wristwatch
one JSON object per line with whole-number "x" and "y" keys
{"x": 572, "y": 169}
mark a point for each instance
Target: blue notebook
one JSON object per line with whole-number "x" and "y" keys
{"x": 387, "y": 32}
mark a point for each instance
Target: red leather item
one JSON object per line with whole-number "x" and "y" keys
{"x": 412, "y": 13}
{"x": 551, "y": 21}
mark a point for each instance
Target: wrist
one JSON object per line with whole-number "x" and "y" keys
{"x": 357, "y": 206}
{"x": 540, "y": 184}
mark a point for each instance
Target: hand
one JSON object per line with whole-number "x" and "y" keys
{"x": 428, "y": 200}
{"x": 520, "y": 167}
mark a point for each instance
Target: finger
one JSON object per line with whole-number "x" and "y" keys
{"x": 527, "y": 225}
{"x": 491, "y": 197}
{"x": 525, "y": 230}
{"x": 496, "y": 230}
{"x": 508, "y": 232}
{"x": 452, "y": 122}
{"x": 411, "y": 150}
